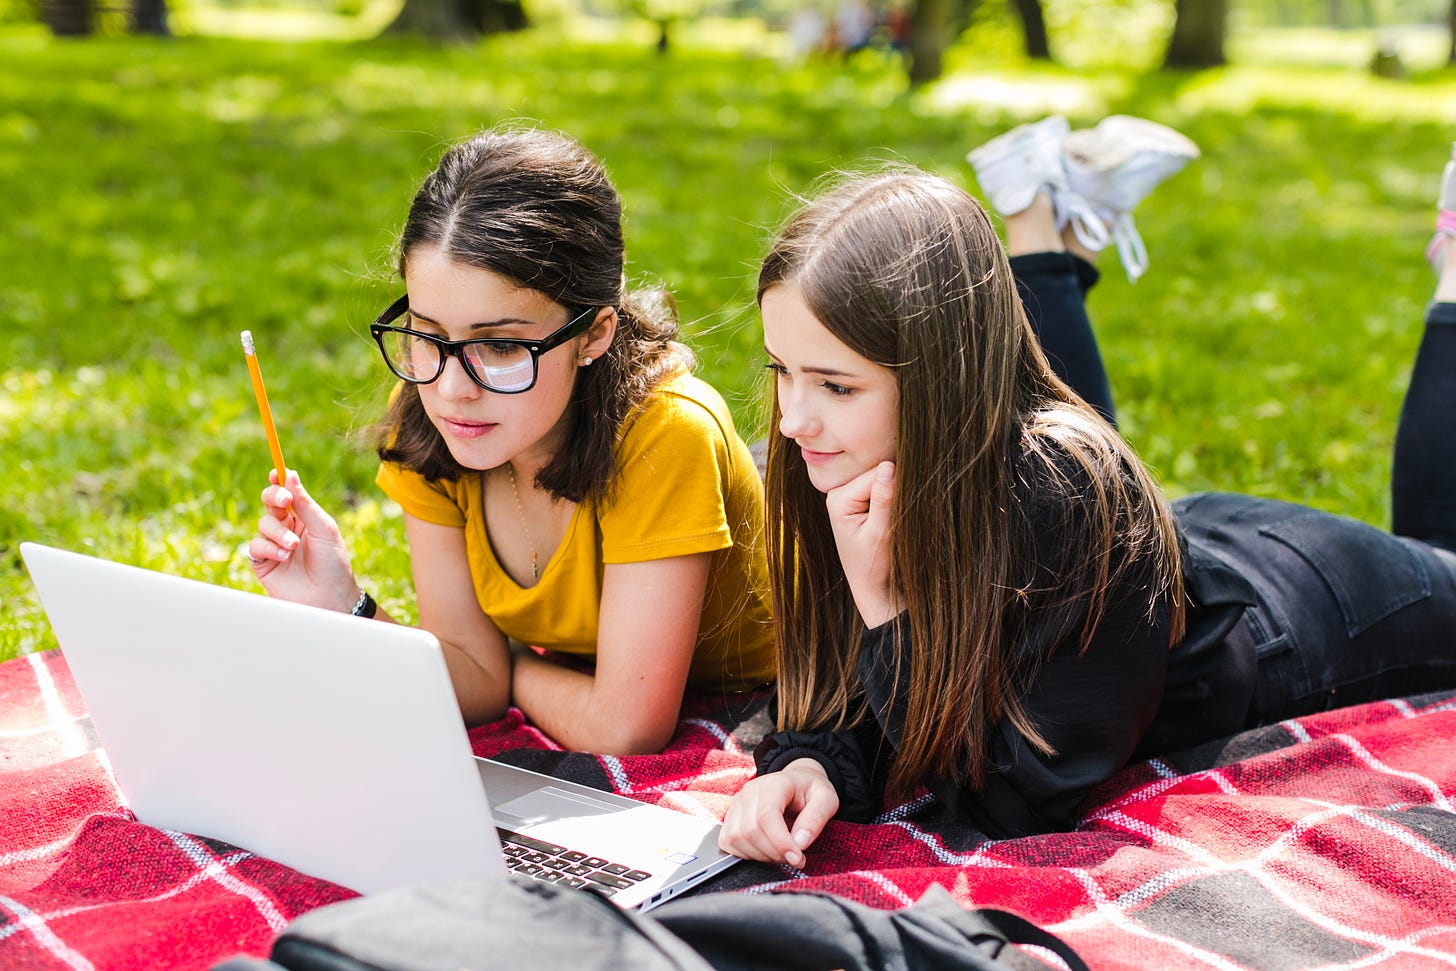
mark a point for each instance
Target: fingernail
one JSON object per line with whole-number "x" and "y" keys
{"x": 290, "y": 540}
{"x": 886, "y": 472}
{"x": 803, "y": 837}
{"x": 794, "y": 859}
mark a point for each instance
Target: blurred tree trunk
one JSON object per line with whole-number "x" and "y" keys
{"x": 458, "y": 19}
{"x": 934, "y": 26}
{"x": 1199, "y": 27}
{"x": 149, "y": 17}
{"x": 1033, "y": 25}
{"x": 1451, "y": 32}
{"x": 68, "y": 18}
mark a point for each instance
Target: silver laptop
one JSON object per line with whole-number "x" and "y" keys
{"x": 331, "y": 744}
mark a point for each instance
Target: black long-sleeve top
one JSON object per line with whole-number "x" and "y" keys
{"x": 1126, "y": 695}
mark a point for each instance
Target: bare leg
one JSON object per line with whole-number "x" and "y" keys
{"x": 1034, "y": 229}
{"x": 1074, "y": 246}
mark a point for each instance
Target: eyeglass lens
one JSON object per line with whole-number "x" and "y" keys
{"x": 501, "y": 366}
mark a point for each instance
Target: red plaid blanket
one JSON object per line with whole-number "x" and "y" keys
{"x": 1327, "y": 842}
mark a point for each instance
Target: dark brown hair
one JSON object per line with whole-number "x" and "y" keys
{"x": 538, "y": 209}
{"x": 907, "y": 270}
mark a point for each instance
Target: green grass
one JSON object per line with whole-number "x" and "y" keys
{"x": 161, "y": 196}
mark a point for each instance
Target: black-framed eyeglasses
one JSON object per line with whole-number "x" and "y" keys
{"x": 505, "y": 365}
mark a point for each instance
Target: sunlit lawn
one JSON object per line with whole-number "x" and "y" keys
{"x": 161, "y": 196}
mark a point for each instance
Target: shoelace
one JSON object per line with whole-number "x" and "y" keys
{"x": 1130, "y": 248}
{"x": 1094, "y": 231}
{"x": 1445, "y": 232}
{"x": 1071, "y": 208}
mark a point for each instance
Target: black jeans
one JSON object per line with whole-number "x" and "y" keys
{"x": 1347, "y": 613}
{"x": 1053, "y": 288}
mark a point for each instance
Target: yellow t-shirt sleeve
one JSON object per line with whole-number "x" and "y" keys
{"x": 433, "y": 502}
{"x": 670, "y": 493}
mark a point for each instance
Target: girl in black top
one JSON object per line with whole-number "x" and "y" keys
{"x": 977, "y": 586}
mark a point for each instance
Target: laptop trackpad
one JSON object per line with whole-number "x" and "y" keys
{"x": 549, "y": 802}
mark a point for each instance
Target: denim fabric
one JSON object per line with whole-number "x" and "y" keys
{"x": 1423, "y": 478}
{"x": 1346, "y": 613}
{"x": 1349, "y": 613}
{"x": 1053, "y": 288}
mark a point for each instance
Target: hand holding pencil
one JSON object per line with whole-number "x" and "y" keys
{"x": 298, "y": 552}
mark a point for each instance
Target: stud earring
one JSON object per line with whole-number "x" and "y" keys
{"x": 586, "y": 361}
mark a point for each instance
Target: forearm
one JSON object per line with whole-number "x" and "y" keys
{"x": 483, "y": 690}
{"x": 574, "y": 709}
{"x": 476, "y": 652}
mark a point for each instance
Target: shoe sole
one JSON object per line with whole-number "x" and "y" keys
{"x": 1052, "y": 126}
{"x": 1012, "y": 167}
{"x": 1119, "y": 137}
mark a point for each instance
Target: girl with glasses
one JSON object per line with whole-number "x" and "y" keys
{"x": 977, "y": 587}
{"x": 584, "y": 522}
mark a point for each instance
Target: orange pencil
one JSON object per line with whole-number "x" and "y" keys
{"x": 263, "y": 409}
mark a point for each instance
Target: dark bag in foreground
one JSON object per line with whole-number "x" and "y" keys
{"x": 472, "y": 925}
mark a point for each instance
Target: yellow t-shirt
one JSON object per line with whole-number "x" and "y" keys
{"x": 685, "y": 483}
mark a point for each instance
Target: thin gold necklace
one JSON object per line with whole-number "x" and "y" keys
{"x": 525, "y": 527}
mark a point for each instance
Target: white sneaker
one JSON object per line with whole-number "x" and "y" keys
{"x": 1445, "y": 215}
{"x": 1110, "y": 169}
{"x": 1012, "y": 168}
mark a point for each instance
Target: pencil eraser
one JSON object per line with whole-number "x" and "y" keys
{"x": 247, "y": 342}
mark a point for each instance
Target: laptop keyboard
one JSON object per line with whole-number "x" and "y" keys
{"x": 552, "y": 863}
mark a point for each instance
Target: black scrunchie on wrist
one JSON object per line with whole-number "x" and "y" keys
{"x": 842, "y": 762}
{"x": 364, "y": 606}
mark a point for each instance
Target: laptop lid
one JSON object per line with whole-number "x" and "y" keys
{"x": 326, "y": 742}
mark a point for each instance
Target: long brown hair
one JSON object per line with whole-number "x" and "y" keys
{"x": 907, "y": 270}
{"x": 538, "y": 209}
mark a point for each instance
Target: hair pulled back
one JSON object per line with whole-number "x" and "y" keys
{"x": 537, "y": 208}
